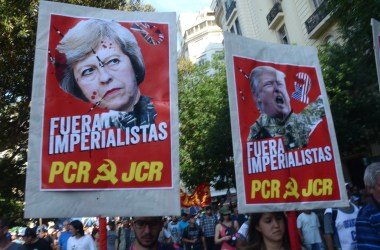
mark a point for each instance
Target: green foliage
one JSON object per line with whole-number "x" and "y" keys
{"x": 18, "y": 24}
{"x": 18, "y": 27}
{"x": 350, "y": 75}
{"x": 205, "y": 132}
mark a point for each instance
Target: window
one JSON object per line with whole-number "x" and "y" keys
{"x": 202, "y": 60}
{"x": 237, "y": 26}
{"x": 317, "y": 3}
{"x": 283, "y": 35}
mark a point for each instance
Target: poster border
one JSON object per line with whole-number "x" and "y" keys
{"x": 48, "y": 204}
{"x": 239, "y": 46}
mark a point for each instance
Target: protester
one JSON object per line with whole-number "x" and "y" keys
{"x": 147, "y": 230}
{"x": 173, "y": 229}
{"x": 111, "y": 235}
{"x": 125, "y": 235}
{"x": 193, "y": 236}
{"x": 225, "y": 232}
{"x": 64, "y": 236}
{"x": 309, "y": 230}
{"x": 5, "y": 242}
{"x": 242, "y": 235}
{"x": 339, "y": 225}
{"x": 240, "y": 218}
{"x": 165, "y": 235}
{"x": 95, "y": 237}
{"x": 32, "y": 242}
{"x": 182, "y": 224}
{"x": 208, "y": 223}
{"x": 268, "y": 231}
{"x": 79, "y": 241}
{"x": 368, "y": 220}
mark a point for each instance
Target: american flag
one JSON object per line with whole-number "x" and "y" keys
{"x": 302, "y": 86}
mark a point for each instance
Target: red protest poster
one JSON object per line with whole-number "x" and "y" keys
{"x": 106, "y": 119}
{"x": 287, "y": 154}
{"x": 104, "y": 116}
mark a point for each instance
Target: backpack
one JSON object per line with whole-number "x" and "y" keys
{"x": 231, "y": 231}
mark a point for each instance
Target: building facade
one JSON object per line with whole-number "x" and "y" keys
{"x": 300, "y": 22}
{"x": 200, "y": 36}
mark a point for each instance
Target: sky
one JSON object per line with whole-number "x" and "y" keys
{"x": 179, "y": 6}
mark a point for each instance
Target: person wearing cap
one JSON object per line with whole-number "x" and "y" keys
{"x": 5, "y": 242}
{"x": 147, "y": 231}
{"x": 78, "y": 240}
{"x": 208, "y": 223}
{"x": 225, "y": 232}
{"x": 192, "y": 236}
{"x": 100, "y": 62}
{"x": 32, "y": 242}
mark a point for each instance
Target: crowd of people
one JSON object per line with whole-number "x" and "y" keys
{"x": 356, "y": 226}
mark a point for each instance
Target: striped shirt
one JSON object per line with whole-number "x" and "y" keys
{"x": 368, "y": 228}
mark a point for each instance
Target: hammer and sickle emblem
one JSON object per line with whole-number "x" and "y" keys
{"x": 291, "y": 188}
{"x": 108, "y": 171}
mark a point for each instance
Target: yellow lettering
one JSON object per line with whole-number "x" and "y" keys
{"x": 67, "y": 177}
{"x": 56, "y": 169}
{"x": 140, "y": 175}
{"x": 83, "y": 172}
{"x": 269, "y": 188}
{"x": 327, "y": 186}
{"x": 264, "y": 192}
{"x": 127, "y": 178}
{"x": 275, "y": 190}
{"x": 256, "y": 184}
{"x": 155, "y": 171}
{"x": 318, "y": 187}
{"x": 144, "y": 171}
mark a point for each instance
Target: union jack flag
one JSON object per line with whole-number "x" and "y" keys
{"x": 302, "y": 86}
{"x": 150, "y": 32}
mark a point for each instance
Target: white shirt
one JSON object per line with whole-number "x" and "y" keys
{"x": 83, "y": 243}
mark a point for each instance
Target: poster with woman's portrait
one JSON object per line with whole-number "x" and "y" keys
{"x": 104, "y": 115}
{"x": 285, "y": 150}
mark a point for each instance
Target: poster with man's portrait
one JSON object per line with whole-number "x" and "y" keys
{"x": 104, "y": 115}
{"x": 285, "y": 150}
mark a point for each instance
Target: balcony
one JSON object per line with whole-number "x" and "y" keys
{"x": 230, "y": 9}
{"x": 318, "y": 21}
{"x": 275, "y": 16}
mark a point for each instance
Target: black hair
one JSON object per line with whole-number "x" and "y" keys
{"x": 78, "y": 226}
{"x": 256, "y": 240}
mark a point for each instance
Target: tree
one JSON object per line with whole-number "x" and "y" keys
{"x": 18, "y": 25}
{"x": 350, "y": 75}
{"x": 205, "y": 131}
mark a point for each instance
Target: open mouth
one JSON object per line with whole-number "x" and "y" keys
{"x": 279, "y": 100}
